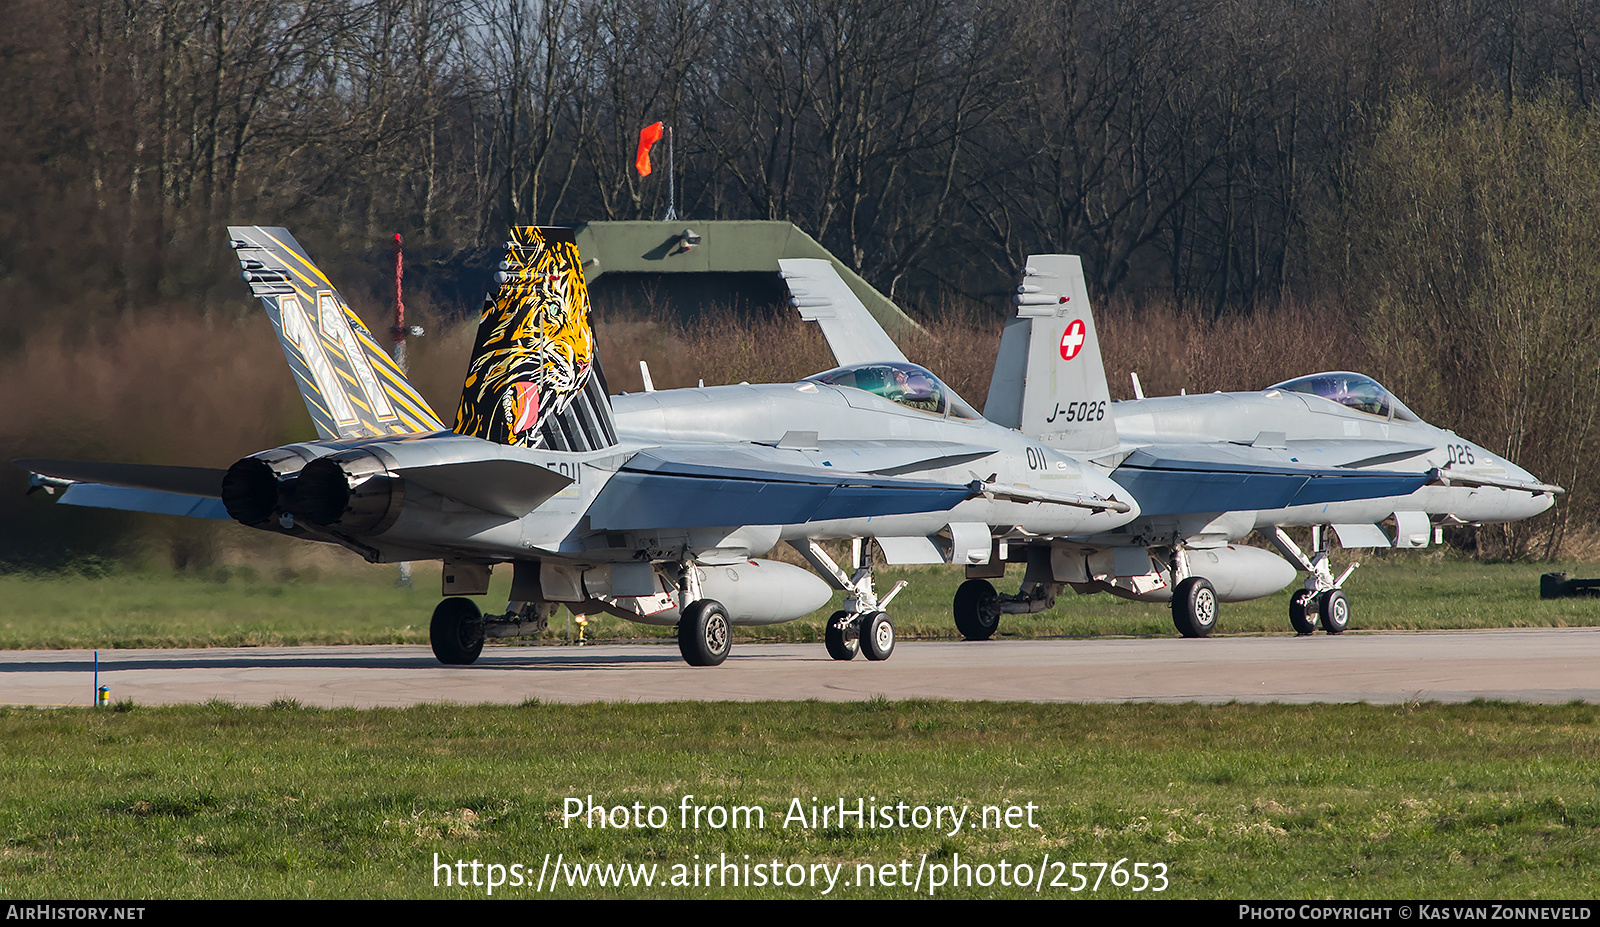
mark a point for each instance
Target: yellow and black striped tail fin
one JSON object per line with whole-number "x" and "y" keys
{"x": 535, "y": 377}
{"x": 351, "y": 387}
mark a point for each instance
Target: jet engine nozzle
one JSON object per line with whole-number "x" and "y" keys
{"x": 352, "y": 491}
{"x": 256, "y": 488}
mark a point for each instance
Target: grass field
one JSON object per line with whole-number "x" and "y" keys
{"x": 113, "y": 607}
{"x": 1233, "y": 801}
{"x": 1354, "y": 801}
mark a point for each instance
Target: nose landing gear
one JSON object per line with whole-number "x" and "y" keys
{"x": 1323, "y": 600}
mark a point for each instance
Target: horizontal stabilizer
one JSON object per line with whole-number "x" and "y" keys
{"x": 193, "y": 492}
{"x": 101, "y": 496}
{"x": 1223, "y": 479}
{"x": 822, "y": 296}
{"x": 505, "y": 487}
{"x": 655, "y": 491}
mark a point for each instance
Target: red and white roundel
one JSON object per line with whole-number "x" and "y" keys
{"x": 1072, "y": 340}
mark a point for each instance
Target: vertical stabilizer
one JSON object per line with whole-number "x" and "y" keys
{"x": 535, "y": 378}
{"x": 822, "y": 296}
{"x": 350, "y": 386}
{"x": 1049, "y": 381}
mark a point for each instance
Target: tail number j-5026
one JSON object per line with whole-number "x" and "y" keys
{"x": 1079, "y": 412}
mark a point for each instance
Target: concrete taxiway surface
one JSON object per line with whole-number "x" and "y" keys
{"x": 1534, "y": 665}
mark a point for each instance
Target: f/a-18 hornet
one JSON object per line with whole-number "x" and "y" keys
{"x": 655, "y": 507}
{"x": 1331, "y": 450}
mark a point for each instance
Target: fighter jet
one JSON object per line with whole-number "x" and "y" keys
{"x": 1331, "y": 450}
{"x": 655, "y": 507}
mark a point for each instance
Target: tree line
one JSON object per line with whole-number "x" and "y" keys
{"x": 1420, "y": 165}
{"x": 1191, "y": 147}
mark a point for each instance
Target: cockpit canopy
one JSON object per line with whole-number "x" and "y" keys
{"x": 1355, "y": 390}
{"x": 905, "y": 384}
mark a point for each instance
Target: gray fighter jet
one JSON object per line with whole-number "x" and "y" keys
{"x": 1331, "y": 450}
{"x": 653, "y": 507}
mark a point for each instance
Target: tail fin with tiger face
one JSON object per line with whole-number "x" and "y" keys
{"x": 535, "y": 377}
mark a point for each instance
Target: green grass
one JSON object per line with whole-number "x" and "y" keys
{"x": 1351, "y": 801}
{"x": 114, "y": 607}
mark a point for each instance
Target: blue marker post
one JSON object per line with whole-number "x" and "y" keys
{"x": 102, "y": 694}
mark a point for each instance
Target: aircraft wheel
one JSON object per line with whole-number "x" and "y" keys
{"x": 843, "y": 643}
{"x": 456, "y": 632}
{"x": 877, "y": 635}
{"x": 1194, "y": 607}
{"x": 977, "y": 609}
{"x": 704, "y": 633}
{"x": 1303, "y": 612}
{"x": 1335, "y": 611}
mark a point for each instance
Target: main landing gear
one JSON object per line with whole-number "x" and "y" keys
{"x": 459, "y": 628}
{"x": 978, "y": 606}
{"x": 862, "y": 626}
{"x": 705, "y": 635}
{"x": 977, "y": 610}
{"x": 456, "y": 631}
{"x": 1322, "y": 600}
{"x": 1194, "y": 607}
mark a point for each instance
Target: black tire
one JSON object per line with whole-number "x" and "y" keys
{"x": 843, "y": 643}
{"x": 977, "y": 609}
{"x": 456, "y": 632}
{"x": 1194, "y": 607}
{"x": 1334, "y": 609}
{"x": 877, "y": 635}
{"x": 1303, "y": 612}
{"x": 704, "y": 633}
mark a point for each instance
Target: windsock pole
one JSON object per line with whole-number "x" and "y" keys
{"x": 672, "y": 181}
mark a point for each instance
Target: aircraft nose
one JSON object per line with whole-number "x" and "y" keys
{"x": 1530, "y": 504}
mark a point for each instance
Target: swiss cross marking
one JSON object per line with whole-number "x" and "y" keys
{"x": 1072, "y": 339}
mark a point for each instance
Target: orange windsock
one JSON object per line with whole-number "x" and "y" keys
{"x": 648, "y": 136}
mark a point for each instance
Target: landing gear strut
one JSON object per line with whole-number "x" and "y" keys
{"x": 862, "y": 626}
{"x": 1323, "y": 599}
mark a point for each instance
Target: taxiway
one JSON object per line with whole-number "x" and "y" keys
{"x": 1543, "y": 665}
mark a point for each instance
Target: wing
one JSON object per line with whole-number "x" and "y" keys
{"x": 854, "y": 336}
{"x": 1182, "y": 479}
{"x": 699, "y": 488}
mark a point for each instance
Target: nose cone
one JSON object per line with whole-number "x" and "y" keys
{"x": 1517, "y": 504}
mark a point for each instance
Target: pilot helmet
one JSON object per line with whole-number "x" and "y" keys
{"x": 917, "y": 385}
